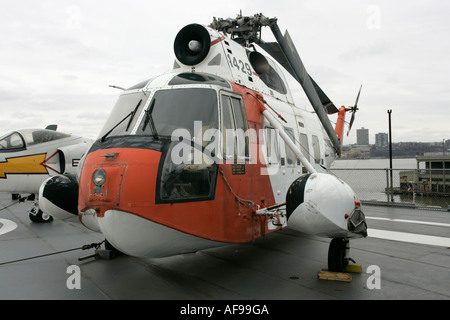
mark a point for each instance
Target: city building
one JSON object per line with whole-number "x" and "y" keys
{"x": 362, "y": 137}
{"x": 381, "y": 140}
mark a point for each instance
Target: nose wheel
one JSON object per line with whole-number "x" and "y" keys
{"x": 338, "y": 255}
{"x": 36, "y": 215}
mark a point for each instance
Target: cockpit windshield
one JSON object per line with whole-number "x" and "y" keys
{"x": 28, "y": 137}
{"x": 124, "y": 115}
{"x": 41, "y": 136}
{"x": 12, "y": 141}
{"x": 180, "y": 109}
{"x": 168, "y": 110}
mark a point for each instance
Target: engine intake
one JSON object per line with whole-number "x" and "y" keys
{"x": 259, "y": 62}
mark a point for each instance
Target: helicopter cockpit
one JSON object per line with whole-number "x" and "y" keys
{"x": 174, "y": 119}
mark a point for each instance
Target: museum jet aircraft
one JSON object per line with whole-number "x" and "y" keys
{"x": 216, "y": 152}
{"x": 28, "y": 157}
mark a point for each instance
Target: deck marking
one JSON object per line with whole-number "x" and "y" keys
{"x": 7, "y": 226}
{"x": 439, "y": 224}
{"x": 409, "y": 237}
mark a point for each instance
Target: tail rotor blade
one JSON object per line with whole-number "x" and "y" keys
{"x": 357, "y": 97}
{"x": 354, "y": 109}
{"x": 351, "y": 123}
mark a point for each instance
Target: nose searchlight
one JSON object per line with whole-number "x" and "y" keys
{"x": 192, "y": 44}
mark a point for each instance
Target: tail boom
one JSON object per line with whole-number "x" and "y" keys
{"x": 340, "y": 124}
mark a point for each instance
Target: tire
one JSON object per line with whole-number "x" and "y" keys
{"x": 336, "y": 255}
{"x": 41, "y": 217}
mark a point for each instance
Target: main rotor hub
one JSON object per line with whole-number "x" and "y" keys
{"x": 244, "y": 30}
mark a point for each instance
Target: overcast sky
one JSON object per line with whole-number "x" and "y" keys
{"x": 58, "y": 57}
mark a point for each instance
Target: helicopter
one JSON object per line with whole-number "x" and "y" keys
{"x": 216, "y": 152}
{"x": 29, "y": 156}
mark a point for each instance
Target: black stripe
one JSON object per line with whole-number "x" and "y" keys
{"x": 129, "y": 141}
{"x": 296, "y": 194}
{"x": 62, "y": 191}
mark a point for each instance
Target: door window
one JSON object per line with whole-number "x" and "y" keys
{"x": 235, "y": 140}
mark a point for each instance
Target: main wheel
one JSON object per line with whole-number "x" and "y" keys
{"x": 336, "y": 255}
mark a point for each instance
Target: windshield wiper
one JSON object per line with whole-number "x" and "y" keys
{"x": 131, "y": 114}
{"x": 149, "y": 119}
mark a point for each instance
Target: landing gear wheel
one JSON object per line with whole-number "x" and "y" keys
{"x": 39, "y": 216}
{"x": 337, "y": 260}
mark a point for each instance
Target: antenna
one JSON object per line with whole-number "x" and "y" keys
{"x": 116, "y": 87}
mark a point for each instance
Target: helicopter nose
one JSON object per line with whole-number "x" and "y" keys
{"x": 118, "y": 179}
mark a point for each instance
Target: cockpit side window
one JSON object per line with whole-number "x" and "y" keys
{"x": 13, "y": 141}
{"x": 273, "y": 80}
{"x": 235, "y": 140}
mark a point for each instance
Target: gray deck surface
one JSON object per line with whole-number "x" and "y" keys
{"x": 283, "y": 266}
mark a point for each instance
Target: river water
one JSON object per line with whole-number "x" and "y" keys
{"x": 376, "y": 164}
{"x": 369, "y": 179}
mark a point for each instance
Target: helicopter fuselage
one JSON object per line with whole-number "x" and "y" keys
{"x": 199, "y": 157}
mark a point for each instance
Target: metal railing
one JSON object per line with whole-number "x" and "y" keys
{"x": 419, "y": 188}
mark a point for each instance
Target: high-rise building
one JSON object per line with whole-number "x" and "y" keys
{"x": 362, "y": 136}
{"x": 381, "y": 139}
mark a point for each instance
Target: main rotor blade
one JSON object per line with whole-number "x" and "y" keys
{"x": 300, "y": 74}
{"x": 326, "y": 102}
{"x": 274, "y": 49}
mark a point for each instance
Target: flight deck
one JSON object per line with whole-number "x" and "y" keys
{"x": 405, "y": 256}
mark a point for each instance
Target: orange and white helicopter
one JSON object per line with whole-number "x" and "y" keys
{"x": 30, "y": 156}
{"x": 215, "y": 152}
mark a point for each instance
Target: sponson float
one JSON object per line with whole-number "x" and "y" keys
{"x": 215, "y": 152}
